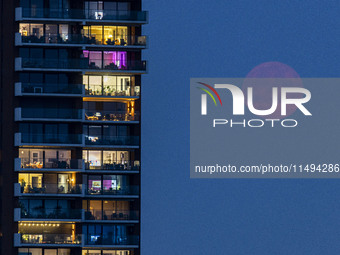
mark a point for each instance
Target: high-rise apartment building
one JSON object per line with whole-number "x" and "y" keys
{"x": 70, "y": 126}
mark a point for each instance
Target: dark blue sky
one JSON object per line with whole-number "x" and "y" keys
{"x": 196, "y": 38}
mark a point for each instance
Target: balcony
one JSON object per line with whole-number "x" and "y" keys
{"x": 45, "y": 89}
{"x": 79, "y": 40}
{"x": 73, "y": 15}
{"x": 111, "y": 240}
{"x": 78, "y": 65}
{"x": 118, "y": 166}
{"x": 49, "y": 114}
{"x": 40, "y": 240}
{"x": 111, "y": 116}
{"x": 72, "y": 140}
{"x": 48, "y": 164}
{"x": 43, "y": 214}
{"x": 112, "y": 216}
{"x": 115, "y": 141}
{"x": 48, "y": 189}
{"x": 127, "y": 191}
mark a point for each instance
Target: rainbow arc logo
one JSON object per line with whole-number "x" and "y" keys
{"x": 204, "y": 97}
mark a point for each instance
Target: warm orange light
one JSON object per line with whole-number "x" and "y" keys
{"x": 108, "y": 99}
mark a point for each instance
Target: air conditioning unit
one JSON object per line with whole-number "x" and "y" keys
{"x": 38, "y": 90}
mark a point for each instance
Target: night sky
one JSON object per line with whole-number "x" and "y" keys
{"x": 197, "y": 38}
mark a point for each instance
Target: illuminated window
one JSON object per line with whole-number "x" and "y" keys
{"x": 91, "y": 252}
{"x": 115, "y": 35}
{"x": 94, "y": 159}
{"x": 95, "y": 85}
{"x": 96, "y": 32}
{"x": 24, "y": 29}
{"x": 30, "y": 181}
{"x": 30, "y": 251}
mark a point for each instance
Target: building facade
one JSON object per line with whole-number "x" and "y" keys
{"x": 70, "y": 126}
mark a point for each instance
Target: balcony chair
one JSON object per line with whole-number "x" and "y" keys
{"x": 62, "y": 164}
{"x": 111, "y": 66}
{"x": 113, "y": 216}
{"x": 61, "y": 189}
{"x": 122, "y": 42}
{"x": 89, "y": 216}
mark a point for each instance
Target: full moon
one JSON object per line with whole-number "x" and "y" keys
{"x": 263, "y": 78}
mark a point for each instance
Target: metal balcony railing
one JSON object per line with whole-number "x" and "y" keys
{"x": 51, "y": 188}
{"x": 112, "y": 140}
{"x": 50, "y": 239}
{"x": 111, "y": 240}
{"x": 49, "y": 88}
{"x": 111, "y": 115}
{"x": 127, "y": 190}
{"x": 98, "y": 90}
{"x": 95, "y": 15}
{"x": 79, "y": 63}
{"x": 119, "y": 215}
{"x": 51, "y": 113}
{"x": 123, "y": 165}
{"x": 51, "y": 214}
{"x": 80, "y": 39}
{"x": 48, "y": 138}
{"x": 50, "y": 163}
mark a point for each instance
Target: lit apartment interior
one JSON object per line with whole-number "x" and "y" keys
{"x": 51, "y": 209}
{"x": 48, "y": 233}
{"x": 49, "y": 183}
{"x": 111, "y": 159}
{"x": 45, "y": 158}
{"x": 75, "y": 34}
{"x": 97, "y": 85}
{"x": 118, "y": 210}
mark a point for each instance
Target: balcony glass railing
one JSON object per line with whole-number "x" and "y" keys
{"x": 50, "y": 239}
{"x": 52, "y": 113}
{"x": 52, "y": 138}
{"x": 82, "y": 63}
{"x": 111, "y": 240}
{"x": 49, "y": 88}
{"x": 111, "y": 115}
{"x": 52, "y": 188}
{"x": 45, "y": 213}
{"x": 118, "y": 165}
{"x": 97, "y": 90}
{"x": 112, "y": 140}
{"x": 128, "y": 190}
{"x": 53, "y": 163}
{"x": 82, "y": 39}
{"x": 111, "y": 215}
{"x": 84, "y": 14}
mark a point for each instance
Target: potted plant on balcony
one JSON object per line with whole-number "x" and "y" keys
{"x": 108, "y": 91}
